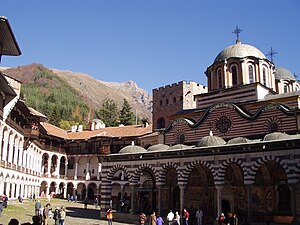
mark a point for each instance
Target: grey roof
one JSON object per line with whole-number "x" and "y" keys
{"x": 284, "y": 74}
{"x": 239, "y": 50}
{"x": 276, "y": 136}
{"x": 210, "y": 141}
{"x": 238, "y": 140}
{"x": 158, "y": 147}
{"x": 132, "y": 149}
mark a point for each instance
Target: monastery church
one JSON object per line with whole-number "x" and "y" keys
{"x": 230, "y": 146}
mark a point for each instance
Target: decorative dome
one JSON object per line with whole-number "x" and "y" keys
{"x": 210, "y": 141}
{"x": 276, "y": 136}
{"x": 238, "y": 140}
{"x": 284, "y": 74}
{"x": 239, "y": 50}
{"x": 179, "y": 146}
{"x": 132, "y": 149}
{"x": 158, "y": 147}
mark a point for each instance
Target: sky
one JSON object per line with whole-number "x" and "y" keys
{"x": 152, "y": 42}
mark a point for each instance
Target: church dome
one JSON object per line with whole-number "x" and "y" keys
{"x": 158, "y": 147}
{"x": 284, "y": 74}
{"x": 276, "y": 136}
{"x": 210, "y": 141}
{"x": 179, "y": 146}
{"x": 238, "y": 140}
{"x": 132, "y": 149}
{"x": 239, "y": 50}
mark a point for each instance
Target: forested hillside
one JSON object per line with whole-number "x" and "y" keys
{"x": 56, "y": 94}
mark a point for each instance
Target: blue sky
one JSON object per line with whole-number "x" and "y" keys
{"x": 154, "y": 42}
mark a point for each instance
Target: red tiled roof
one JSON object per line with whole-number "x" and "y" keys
{"x": 123, "y": 131}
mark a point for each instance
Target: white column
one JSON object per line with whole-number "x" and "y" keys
{"x": 57, "y": 168}
{"x": 13, "y": 188}
{"x": 10, "y": 150}
{"x": 88, "y": 176}
{"x": 18, "y": 189}
{"x": 15, "y": 159}
{"x": 76, "y": 171}
{"x": 22, "y": 190}
{"x": 49, "y": 167}
{"x": 1, "y": 186}
{"x": 66, "y": 169}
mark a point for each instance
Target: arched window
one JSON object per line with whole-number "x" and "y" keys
{"x": 220, "y": 85}
{"x": 234, "y": 75}
{"x": 161, "y": 123}
{"x": 264, "y": 77}
{"x": 174, "y": 99}
{"x": 285, "y": 88}
{"x": 251, "y": 74}
{"x": 296, "y": 88}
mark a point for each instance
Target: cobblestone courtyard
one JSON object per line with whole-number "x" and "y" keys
{"x": 76, "y": 214}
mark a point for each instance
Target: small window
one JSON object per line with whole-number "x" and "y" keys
{"x": 251, "y": 74}
{"x": 174, "y": 99}
{"x": 167, "y": 101}
{"x": 286, "y": 88}
{"x": 234, "y": 75}
{"x": 160, "y": 102}
{"x": 264, "y": 77}
{"x": 220, "y": 79}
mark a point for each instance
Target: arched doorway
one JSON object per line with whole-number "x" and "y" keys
{"x": 226, "y": 208}
{"x": 146, "y": 193}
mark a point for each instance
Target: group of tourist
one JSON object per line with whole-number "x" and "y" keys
{"x": 230, "y": 219}
{"x": 59, "y": 214}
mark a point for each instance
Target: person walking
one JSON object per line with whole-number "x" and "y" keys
{"x": 185, "y": 217}
{"x": 56, "y": 216}
{"x": 85, "y": 202}
{"x": 62, "y": 217}
{"x": 109, "y": 216}
{"x": 46, "y": 214}
{"x": 159, "y": 220}
{"x": 170, "y": 217}
{"x": 37, "y": 207}
{"x": 199, "y": 215}
{"x": 152, "y": 219}
{"x": 1, "y": 208}
{"x": 96, "y": 202}
{"x": 176, "y": 220}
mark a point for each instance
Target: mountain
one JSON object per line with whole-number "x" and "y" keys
{"x": 92, "y": 91}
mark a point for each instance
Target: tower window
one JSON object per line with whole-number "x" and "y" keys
{"x": 285, "y": 88}
{"x": 174, "y": 99}
{"x": 264, "y": 77}
{"x": 251, "y": 74}
{"x": 160, "y": 123}
{"x": 160, "y": 102}
{"x": 167, "y": 101}
{"x": 220, "y": 79}
{"x": 234, "y": 75}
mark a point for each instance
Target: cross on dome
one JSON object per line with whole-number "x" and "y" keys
{"x": 237, "y": 31}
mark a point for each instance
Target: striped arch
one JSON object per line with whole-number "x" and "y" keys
{"x": 164, "y": 169}
{"x": 221, "y": 172}
{"x": 115, "y": 168}
{"x": 141, "y": 168}
{"x": 185, "y": 174}
{"x": 264, "y": 159}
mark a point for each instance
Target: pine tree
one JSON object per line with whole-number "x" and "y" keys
{"x": 126, "y": 114}
{"x": 109, "y": 113}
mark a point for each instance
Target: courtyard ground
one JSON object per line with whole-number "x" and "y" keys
{"x": 76, "y": 214}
